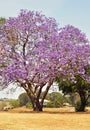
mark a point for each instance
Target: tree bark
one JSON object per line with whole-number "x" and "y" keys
{"x": 46, "y": 91}
{"x": 34, "y": 95}
{"x": 81, "y": 107}
{"x": 37, "y": 107}
{"x": 35, "y": 103}
{"x": 83, "y": 100}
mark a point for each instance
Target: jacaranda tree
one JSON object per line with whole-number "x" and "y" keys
{"x": 20, "y": 39}
{"x": 77, "y": 69}
{"x": 34, "y": 51}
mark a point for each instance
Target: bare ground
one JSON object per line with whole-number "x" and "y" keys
{"x": 50, "y": 119}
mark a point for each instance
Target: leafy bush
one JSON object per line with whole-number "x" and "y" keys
{"x": 15, "y": 103}
{"x": 50, "y": 105}
{"x": 23, "y": 99}
{"x": 28, "y": 105}
{"x": 54, "y": 104}
{"x": 56, "y": 99}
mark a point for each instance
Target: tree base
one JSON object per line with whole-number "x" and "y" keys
{"x": 80, "y": 109}
{"x": 37, "y": 110}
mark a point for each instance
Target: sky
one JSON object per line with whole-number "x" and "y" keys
{"x": 74, "y": 12}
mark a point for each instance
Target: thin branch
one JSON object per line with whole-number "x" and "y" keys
{"x": 46, "y": 91}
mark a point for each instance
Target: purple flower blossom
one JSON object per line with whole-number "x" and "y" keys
{"x": 36, "y": 50}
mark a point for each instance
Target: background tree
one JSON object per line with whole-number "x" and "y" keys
{"x": 76, "y": 61}
{"x": 2, "y": 21}
{"x": 23, "y": 99}
{"x": 56, "y": 99}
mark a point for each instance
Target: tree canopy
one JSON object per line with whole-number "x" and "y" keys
{"x": 35, "y": 51}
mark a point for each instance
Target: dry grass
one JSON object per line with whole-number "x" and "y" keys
{"x": 50, "y": 119}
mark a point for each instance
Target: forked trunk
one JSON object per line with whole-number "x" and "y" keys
{"x": 34, "y": 94}
{"x": 36, "y": 105}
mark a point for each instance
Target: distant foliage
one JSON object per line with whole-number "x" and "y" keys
{"x": 28, "y": 105}
{"x": 23, "y": 99}
{"x": 56, "y": 99}
{"x": 2, "y": 21}
{"x": 14, "y": 103}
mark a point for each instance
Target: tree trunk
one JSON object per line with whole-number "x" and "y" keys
{"x": 34, "y": 93}
{"x": 81, "y": 107}
{"x": 36, "y": 103}
{"x": 37, "y": 107}
{"x": 83, "y": 101}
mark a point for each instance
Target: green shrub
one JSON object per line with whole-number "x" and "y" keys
{"x": 50, "y": 105}
{"x": 56, "y": 99}
{"x": 54, "y": 104}
{"x": 28, "y": 105}
{"x": 15, "y": 103}
{"x": 23, "y": 99}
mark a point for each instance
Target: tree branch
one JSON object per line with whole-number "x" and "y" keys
{"x": 46, "y": 91}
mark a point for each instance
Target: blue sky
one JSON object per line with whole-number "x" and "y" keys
{"x": 74, "y": 12}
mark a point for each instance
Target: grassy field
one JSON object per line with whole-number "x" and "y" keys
{"x": 50, "y": 119}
